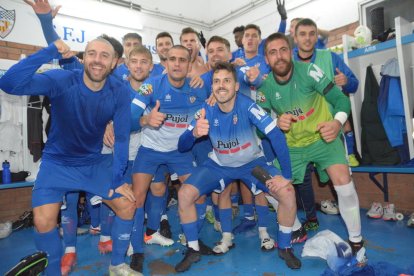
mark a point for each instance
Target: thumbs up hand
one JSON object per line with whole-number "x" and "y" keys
{"x": 202, "y": 126}
{"x": 155, "y": 118}
{"x": 340, "y": 79}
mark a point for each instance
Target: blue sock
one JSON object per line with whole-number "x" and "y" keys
{"x": 225, "y": 219}
{"x": 147, "y": 204}
{"x": 190, "y": 231}
{"x": 262, "y": 215}
{"x": 248, "y": 210}
{"x": 50, "y": 243}
{"x": 235, "y": 198}
{"x": 137, "y": 236}
{"x": 284, "y": 237}
{"x": 107, "y": 219}
{"x": 69, "y": 219}
{"x": 165, "y": 203}
{"x": 121, "y": 233}
{"x": 154, "y": 212}
{"x": 201, "y": 214}
{"x": 216, "y": 212}
{"x": 350, "y": 141}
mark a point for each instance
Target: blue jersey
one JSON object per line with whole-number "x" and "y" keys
{"x": 79, "y": 114}
{"x": 233, "y": 134}
{"x": 178, "y": 104}
{"x": 157, "y": 70}
{"x": 122, "y": 72}
{"x": 247, "y": 88}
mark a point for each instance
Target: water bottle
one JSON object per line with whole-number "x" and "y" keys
{"x": 6, "y": 172}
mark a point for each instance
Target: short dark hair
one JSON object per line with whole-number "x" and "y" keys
{"x": 119, "y": 49}
{"x": 182, "y": 48}
{"x": 238, "y": 29}
{"x": 305, "y": 22}
{"x": 189, "y": 30}
{"x": 226, "y": 66}
{"x": 216, "y": 38}
{"x": 164, "y": 34}
{"x": 276, "y": 36}
{"x": 132, "y": 36}
{"x": 253, "y": 26}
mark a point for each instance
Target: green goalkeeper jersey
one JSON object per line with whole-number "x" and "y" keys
{"x": 306, "y": 95}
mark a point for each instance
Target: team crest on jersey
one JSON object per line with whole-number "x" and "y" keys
{"x": 216, "y": 122}
{"x": 7, "y": 20}
{"x": 145, "y": 89}
{"x": 167, "y": 98}
{"x": 260, "y": 97}
{"x": 192, "y": 99}
{"x": 235, "y": 119}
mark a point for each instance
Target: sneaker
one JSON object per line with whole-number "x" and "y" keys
{"x": 389, "y": 212}
{"x": 376, "y": 211}
{"x": 410, "y": 222}
{"x": 105, "y": 247}
{"x": 137, "y": 262}
{"x": 299, "y": 235}
{"x": 157, "y": 238}
{"x": 122, "y": 270}
{"x": 182, "y": 239}
{"x": 329, "y": 207}
{"x": 24, "y": 221}
{"x": 352, "y": 161}
{"x": 205, "y": 249}
{"x": 244, "y": 226}
{"x": 94, "y": 230}
{"x": 356, "y": 246}
{"x": 223, "y": 246}
{"x": 210, "y": 216}
{"x": 267, "y": 244}
{"x": 358, "y": 250}
{"x": 191, "y": 256}
{"x": 290, "y": 259}
{"x": 217, "y": 226}
{"x": 165, "y": 228}
{"x": 67, "y": 262}
{"x": 311, "y": 225}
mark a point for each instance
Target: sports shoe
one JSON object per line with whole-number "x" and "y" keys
{"x": 33, "y": 264}
{"x": 376, "y": 211}
{"x": 94, "y": 230}
{"x": 267, "y": 244}
{"x": 223, "y": 246}
{"x": 410, "y": 222}
{"x": 24, "y": 221}
{"x": 358, "y": 250}
{"x": 67, "y": 262}
{"x": 311, "y": 225}
{"x": 389, "y": 212}
{"x": 290, "y": 259}
{"x": 105, "y": 247}
{"x": 217, "y": 226}
{"x": 299, "y": 235}
{"x": 210, "y": 216}
{"x": 329, "y": 207}
{"x": 182, "y": 239}
{"x": 122, "y": 270}
{"x": 205, "y": 249}
{"x": 157, "y": 238}
{"x": 352, "y": 161}
{"x": 191, "y": 256}
{"x": 165, "y": 228}
{"x": 137, "y": 262}
{"x": 244, "y": 226}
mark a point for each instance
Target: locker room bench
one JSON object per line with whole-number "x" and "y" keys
{"x": 384, "y": 170}
{"x": 16, "y": 185}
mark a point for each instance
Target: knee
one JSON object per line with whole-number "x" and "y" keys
{"x": 187, "y": 195}
{"x": 126, "y": 210}
{"x": 158, "y": 189}
{"x": 287, "y": 197}
{"x": 44, "y": 223}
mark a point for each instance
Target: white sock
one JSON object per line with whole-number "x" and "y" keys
{"x": 263, "y": 233}
{"x": 285, "y": 229}
{"x": 70, "y": 249}
{"x": 349, "y": 208}
{"x": 227, "y": 238}
{"x": 104, "y": 238}
{"x": 296, "y": 224}
{"x": 164, "y": 217}
{"x": 194, "y": 245}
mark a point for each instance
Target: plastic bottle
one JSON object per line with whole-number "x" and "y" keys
{"x": 6, "y": 172}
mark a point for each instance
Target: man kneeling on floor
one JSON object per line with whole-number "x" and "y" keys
{"x": 235, "y": 154}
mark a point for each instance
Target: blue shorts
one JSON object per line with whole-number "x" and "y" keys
{"x": 54, "y": 181}
{"x": 212, "y": 177}
{"x": 201, "y": 149}
{"x": 148, "y": 161}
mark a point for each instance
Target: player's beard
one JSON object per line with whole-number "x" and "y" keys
{"x": 97, "y": 78}
{"x": 282, "y": 72}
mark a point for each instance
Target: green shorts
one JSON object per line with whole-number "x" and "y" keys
{"x": 321, "y": 154}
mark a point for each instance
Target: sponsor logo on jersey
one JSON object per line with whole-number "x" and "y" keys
{"x": 235, "y": 119}
{"x": 192, "y": 99}
{"x": 260, "y": 97}
{"x": 228, "y": 144}
{"x": 167, "y": 98}
{"x": 231, "y": 146}
{"x": 177, "y": 118}
{"x": 145, "y": 89}
{"x": 297, "y": 111}
{"x": 7, "y": 20}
